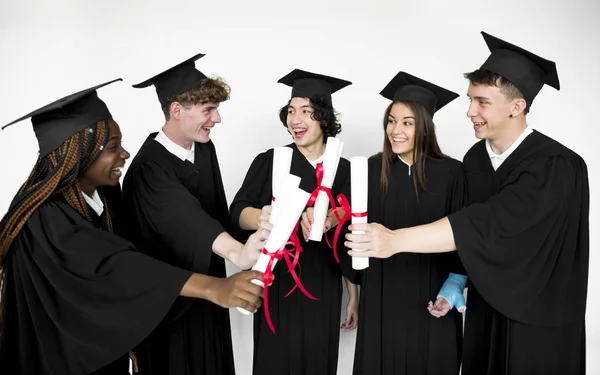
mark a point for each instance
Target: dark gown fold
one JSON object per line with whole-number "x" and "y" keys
{"x": 524, "y": 242}
{"x": 396, "y": 333}
{"x": 307, "y": 331}
{"x": 77, "y": 297}
{"x": 175, "y": 211}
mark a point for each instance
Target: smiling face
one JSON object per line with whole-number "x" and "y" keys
{"x": 489, "y": 111}
{"x": 106, "y": 170}
{"x": 400, "y": 130}
{"x": 305, "y": 131}
{"x": 198, "y": 120}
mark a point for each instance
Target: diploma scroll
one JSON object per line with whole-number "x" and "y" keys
{"x": 359, "y": 176}
{"x": 333, "y": 152}
{"x": 292, "y": 204}
{"x": 282, "y": 160}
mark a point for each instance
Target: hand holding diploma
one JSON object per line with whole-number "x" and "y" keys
{"x": 325, "y": 176}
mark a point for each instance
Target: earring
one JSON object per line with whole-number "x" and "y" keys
{"x": 510, "y": 116}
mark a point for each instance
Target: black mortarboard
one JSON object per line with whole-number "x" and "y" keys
{"x": 306, "y": 84}
{"x": 176, "y": 80}
{"x": 56, "y": 122}
{"x": 524, "y": 69}
{"x": 406, "y": 87}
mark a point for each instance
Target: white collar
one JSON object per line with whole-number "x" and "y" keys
{"x": 94, "y": 202}
{"x": 175, "y": 149}
{"x": 498, "y": 159}
{"x": 316, "y": 161}
{"x": 404, "y": 161}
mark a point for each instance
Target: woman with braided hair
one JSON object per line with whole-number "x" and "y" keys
{"x": 76, "y": 297}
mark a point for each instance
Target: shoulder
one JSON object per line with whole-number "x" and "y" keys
{"x": 475, "y": 152}
{"x": 549, "y": 147}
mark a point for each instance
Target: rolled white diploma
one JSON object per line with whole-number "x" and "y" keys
{"x": 359, "y": 187}
{"x": 282, "y": 160}
{"x": 292, "y": 203}
{"x": 333, "y": 152}
{"x": 287, "y": 183}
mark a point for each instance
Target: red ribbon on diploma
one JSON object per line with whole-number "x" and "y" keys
{"x": 313, "y": 198}
{"x": 287, "y": 254}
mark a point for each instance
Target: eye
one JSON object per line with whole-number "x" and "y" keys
{"x": 391, "y": 121}
{"x": 407, "y": 123}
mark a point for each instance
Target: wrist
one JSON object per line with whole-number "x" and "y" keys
{"x": 399, "y": 240}
{"x": 237, "y": 256}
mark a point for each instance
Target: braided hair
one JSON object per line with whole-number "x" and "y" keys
{"x": 54, "y": 174}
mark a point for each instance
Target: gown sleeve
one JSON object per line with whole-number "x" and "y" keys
{"x": 255, "y": 192}
{"x": 77, "y": 297}
{"x": 525, "y": 247}
{"x": 177, "y": 218}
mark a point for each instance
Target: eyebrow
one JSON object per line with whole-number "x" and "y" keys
{"x": 404, "y": 118}
{"x": 302, "y": 106}
{"x": 479, "y": 97}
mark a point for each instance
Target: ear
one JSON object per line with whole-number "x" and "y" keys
{"x": 175, "y": 108}
{"x": 518, "y": 106}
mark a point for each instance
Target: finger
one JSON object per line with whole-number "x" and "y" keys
{"x": 365, "y": 227}
{"x": 354, "y": 323}
{"x": 360, "y": 246}
{"x": 362, "y": 254}
{"x": 250, "y": 275}
{"x": 253, "y": 299}
{"x": 134, "y": 361}
{"x": 239, "y": 302}
{"x": 266, "y": 226}
{"x": 310, "y": 215}
{"x": 358, "y": 238}
{"x": 264, "y": 235}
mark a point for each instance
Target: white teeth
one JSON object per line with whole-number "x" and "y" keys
{"x": 398, "y": 139}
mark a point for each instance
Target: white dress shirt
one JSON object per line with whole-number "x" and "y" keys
{"x": 496, "y": 159}
{"x": 94, "y": 201}
{"x": 175, "y": 149}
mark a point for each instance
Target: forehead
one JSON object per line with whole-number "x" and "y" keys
{"x": 206, "y": 105}
{"x": 113, "y": 129}
{"x": 299, "y": 102}
{"x": 483, "y": 90}
{"x": 400, "y": 110}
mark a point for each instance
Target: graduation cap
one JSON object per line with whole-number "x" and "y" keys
{"x": 527, "y": 71}
{"x": 58, "y": 121}
{"x": 176, "y": 80}
{"x": 406, "y": 87}
{"x": 306, "y": 84}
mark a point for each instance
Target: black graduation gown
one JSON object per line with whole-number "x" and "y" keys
{"x": 306, "y": 338}
{"x": 77, "y": 297}
{"x": 524, "y": 242}
{"x": 175, "y": 211}
{"x": 396, "y": 334}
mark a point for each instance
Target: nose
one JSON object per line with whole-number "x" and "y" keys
{"x": 124, "y": 153}
{"x": 472, "y": 110}
{"x": 216, "y": 118}
{"x": 398, "y": 129}
{"x": 293, "y": 118}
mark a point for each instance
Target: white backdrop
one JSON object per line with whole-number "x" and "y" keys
{"x": 51, "y": 49}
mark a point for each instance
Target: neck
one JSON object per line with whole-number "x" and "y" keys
{"x": 314, "y": 151}
{"x": 407, "y": 157}
{"x": 87, "y": 188}
{"x": 508, "y": 137}
{"x": 173, "y": 132}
